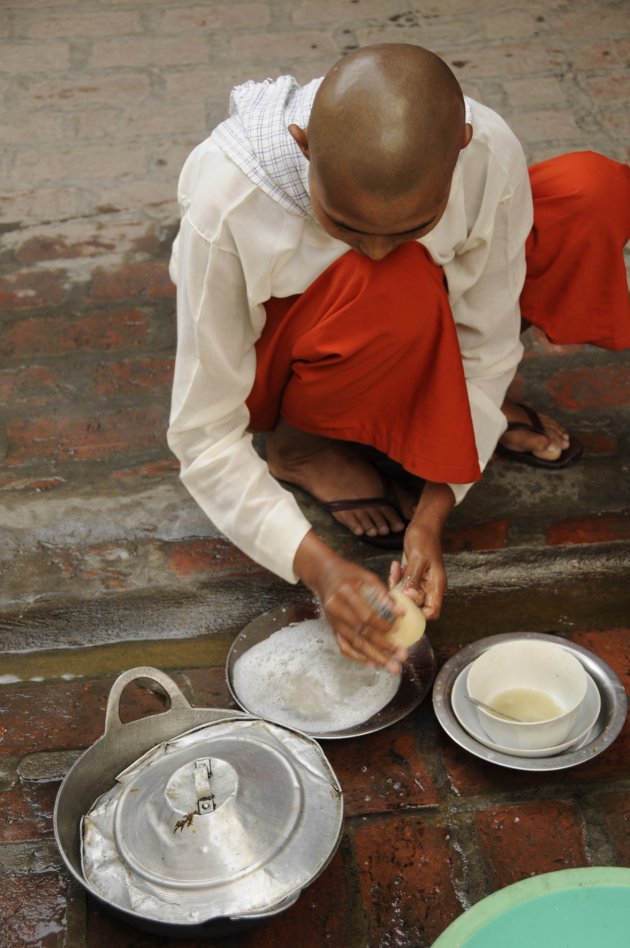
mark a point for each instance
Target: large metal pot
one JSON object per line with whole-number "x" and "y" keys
{"x": 122, "y": 745}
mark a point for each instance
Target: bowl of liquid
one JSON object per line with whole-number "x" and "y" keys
{"x": 535, "y": 690}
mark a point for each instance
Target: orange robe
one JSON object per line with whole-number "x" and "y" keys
{"x": 369, "y": 352}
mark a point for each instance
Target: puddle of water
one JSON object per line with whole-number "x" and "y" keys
{"x": 69, "y": 664}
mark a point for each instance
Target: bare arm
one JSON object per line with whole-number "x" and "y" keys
{"x": 424, "y": 570}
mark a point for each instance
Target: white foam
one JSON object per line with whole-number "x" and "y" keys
{"x": 299, "y": 678}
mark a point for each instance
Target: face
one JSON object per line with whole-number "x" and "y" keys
{"x": 376, "y": 226}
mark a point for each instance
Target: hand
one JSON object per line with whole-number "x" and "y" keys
{"x": 423, "y": 575}
{"x": 355, "y": 603}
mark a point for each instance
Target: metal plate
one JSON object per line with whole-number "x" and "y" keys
{"x": 416, "y": 678}
{"x": 608, "y": 725}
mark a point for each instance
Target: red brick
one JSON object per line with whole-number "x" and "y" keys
{"x": 53, "y": 335}
{"x": 10, "y": 482}
{"x": 468, "y": 775}
{"x": 598, "y": 529}
{"x": 32, "y": 289}
{"x": 406, "y": 870}
{"x": 128, "y": 377}
{"x": 63, "y": 715}
{"x": 33, "y": 910}
{"x": 598, "y": 442}
{"x": 27, "y": 810}
{"x": 382, "y": 773}
{"x": 96, "y": 563}
{"x": 530, "y": 839}
{"x": 192, "y": 557}
{"x": 153, "y": 469}
{"x": 148, "y": 279}
{"x": 209, "y": 687}
{"x": 593, "y": 388}
{"x": 612, "y": 645}
{"x": 492, "y": 535}
{"x": 58, "y": 246}
{"x": 320, "y": 916}
{"x": 29, "y": 385}
{"x": 68, "y": 438}
{"x": 615, "y": 811}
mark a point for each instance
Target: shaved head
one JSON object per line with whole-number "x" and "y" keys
{"x": 386, "y": 128}
{"x": 389, "y": 117}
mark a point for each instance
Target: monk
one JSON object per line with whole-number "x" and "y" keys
{"x": 355, "y": 262}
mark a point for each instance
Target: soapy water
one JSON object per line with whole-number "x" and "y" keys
{"x": 298, "y": 677}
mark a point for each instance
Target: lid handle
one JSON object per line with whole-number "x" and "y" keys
{"x": 112, "y": 713}
{"x": 203, "y": 775}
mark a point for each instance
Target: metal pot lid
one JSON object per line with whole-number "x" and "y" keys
{"x": 228, "y": 819}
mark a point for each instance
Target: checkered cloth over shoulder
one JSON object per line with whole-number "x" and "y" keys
{"x": 256, "y": 138}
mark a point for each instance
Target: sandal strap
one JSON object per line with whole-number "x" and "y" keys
{"x": 336, "y": 505}
{"x": 535, "y": 424}
{"x": 388, "y": 499}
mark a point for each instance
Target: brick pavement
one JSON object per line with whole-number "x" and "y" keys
{"x": 106, "y": 563}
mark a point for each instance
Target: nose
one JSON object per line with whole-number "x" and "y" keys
{"x": 376, "y": 247}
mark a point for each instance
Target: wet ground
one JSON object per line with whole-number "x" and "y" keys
{"x": 107, "y": 564}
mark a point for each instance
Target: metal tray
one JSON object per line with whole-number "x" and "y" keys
{"x": 608, "y": 725}
{"x": 416, "y": 678}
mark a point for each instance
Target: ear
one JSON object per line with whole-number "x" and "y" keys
{"x": 300, "y": 136}
{"x": 468, "y": 134}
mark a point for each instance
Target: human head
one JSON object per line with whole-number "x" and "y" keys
{"x": 387, "y": 125}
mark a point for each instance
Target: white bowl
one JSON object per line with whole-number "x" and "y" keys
{"x": 468, "y": 716}
{"x": 532, "y": 673}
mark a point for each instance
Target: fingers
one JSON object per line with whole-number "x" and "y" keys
{"x": 361, "y": 616}
{"x": 395, "y": 574}
{"x": 424, "y": 580}
{"x": 358, "y": 645}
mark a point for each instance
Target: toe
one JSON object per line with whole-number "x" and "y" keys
{"x": 550, "y": 452}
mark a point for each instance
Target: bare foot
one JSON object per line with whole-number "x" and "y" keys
{"x": 549, "y": 446}
{"x": 332, "y": 470}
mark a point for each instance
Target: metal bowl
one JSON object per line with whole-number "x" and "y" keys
{"x": 415, "y": 681}
{"x": 125, "y": 746}
{"x": 612, "y": 715}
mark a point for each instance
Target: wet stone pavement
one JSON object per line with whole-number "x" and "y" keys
{"x": 105, "y": 562}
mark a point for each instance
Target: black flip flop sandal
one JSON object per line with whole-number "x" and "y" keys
{"x": 569, "y": 456}
{"x": 390, "y": 541}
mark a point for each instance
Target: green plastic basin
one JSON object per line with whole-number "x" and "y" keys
{"x": 572, "y": 908}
